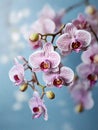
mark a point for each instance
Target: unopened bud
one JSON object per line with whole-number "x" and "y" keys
{"x": 20, "y": 58}
{"x": 79, "y": 108}
{"x": 23, "y": 87}
{"x": 50, "y": 95}
{"x": 34, "y": 37}
{"x": 90, "y": 10}
{"x": 96, "y": 59}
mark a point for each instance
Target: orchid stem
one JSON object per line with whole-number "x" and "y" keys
{"x": 74, "y": 6}
{"x": 53, "y": 35}
{"x": 41, "y": 86}
{"x": 32, "y": 86}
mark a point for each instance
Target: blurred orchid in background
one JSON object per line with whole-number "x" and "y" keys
{"x": 12, "y": 23}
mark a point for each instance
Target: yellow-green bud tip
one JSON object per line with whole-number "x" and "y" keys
{"x": 50, "y": 95}
{"x": 79, "y": 108}
{"x": 90, "y": 10}
{"x": 96, "y": 59}
{"x": 23, "y": 87}
{"x": 34, "y": 37}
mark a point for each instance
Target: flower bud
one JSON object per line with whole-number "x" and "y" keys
{"x": 96, "y": 59}
{"x": 79, "y": 108}
{"x": 23, "y": 87}
{"x": 34, "y": 37}
{"x": 90, "y": 10}
{"x": 21, "y": 58}
{"x": 50, "y": 95}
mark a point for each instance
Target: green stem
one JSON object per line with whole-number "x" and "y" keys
{"x": 40, "y": 85}
{"x": 53, "y": 35}
{"x": 35, "y": 80}
{"x": 32, "y": 86}
{"x": 74, "y": 6}
{"x": 87, "y": 2}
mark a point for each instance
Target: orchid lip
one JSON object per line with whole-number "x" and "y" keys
{"x": 16, "y": 78}
{"x": 58, "y": 82}
{"x": 76, "y": 45}
{"x": 92, "y": 77}
{"x": 45, "y": 65}
{"x": 35, "y": 109}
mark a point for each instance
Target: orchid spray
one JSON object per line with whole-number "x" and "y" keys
{"x": 49, "y": 40}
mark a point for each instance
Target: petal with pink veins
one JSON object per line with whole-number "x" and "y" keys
{"x": 67, "y": 73}
{"x": 48, "y": 48}
{"x": 64, "y": 41}
{"x": 83, "y": 37}
{"x": 70, "y": 29}
{"x": 36, "y": 58}
{"x": 55, "y": 59}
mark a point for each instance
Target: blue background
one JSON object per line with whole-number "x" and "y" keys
{"x": 14, "y": 111}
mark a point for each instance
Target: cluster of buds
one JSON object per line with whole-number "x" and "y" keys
{"x": 80, "y": 35}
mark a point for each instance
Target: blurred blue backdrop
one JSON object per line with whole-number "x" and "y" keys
{"x": 15, "y": 16}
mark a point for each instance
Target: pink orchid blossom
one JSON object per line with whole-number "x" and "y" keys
{"x": 33, "y": 44}
{"x": 81, "y": 94}
{"x": 90, "y": 55}
{"x": 40, "y": 26}
{"x": 92, "y": 15}
{"x": 16, "y": 73}
{"x": 65, "y": 76}
{"x": 80, "y": 22}
{"x": 48, "y": 12}
{"x": 45, "y": 60}
{"x": 43, "y": 26}
{"x": 92, "y": 18}
{"x": 73, "y": 39}
{"x": 37, "y": 106}
{"x": 88, "y": 72}
{"x": 86, "y": 22}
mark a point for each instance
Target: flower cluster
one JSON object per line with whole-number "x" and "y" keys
{"x": 49, "y": 39}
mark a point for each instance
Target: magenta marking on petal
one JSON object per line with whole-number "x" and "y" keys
{"x": 35, "y": 109}
{"x": 58, "y": 82}
{"x": 76, "y": 45}
{"x": 16, "y": 78}
{"x": 45, "y": 65}
{"x": 91, "y": 58}
{"x": 92, "y": 77}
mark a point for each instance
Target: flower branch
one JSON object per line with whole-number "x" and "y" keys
{"x": 75, "y": 5}
{"x": 74, "y": 36}
{"x": 53, "y": 35}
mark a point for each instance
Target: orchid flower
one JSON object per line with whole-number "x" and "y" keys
{"x": 73, "y": 39}
{"x": 90, "y": 55}
{"x": 81, "y": 94}
{"x": 49, "y": 12}
{"x": 45, "y": 60}
{"x": 16, "y": 73}
{"x": 65, "y": 76}
{"x": 90, "y": 73}
{"x": 37, "y": 106}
